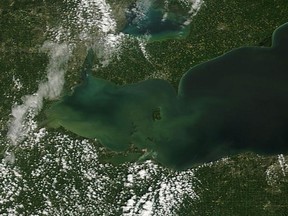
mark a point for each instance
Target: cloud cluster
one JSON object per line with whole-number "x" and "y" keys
{"x": 231, "y": 104}
{"x": 50, "y": 89}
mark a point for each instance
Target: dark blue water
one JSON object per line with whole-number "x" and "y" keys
{"x": 235, "y": 103}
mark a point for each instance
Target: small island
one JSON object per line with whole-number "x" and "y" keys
{"x": 235, "y": 103}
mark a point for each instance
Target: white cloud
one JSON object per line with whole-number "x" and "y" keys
{"x": 23, "y": 114}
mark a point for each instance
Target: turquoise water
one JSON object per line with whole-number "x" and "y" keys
{"x": 234, "y": 103}
{"x": 152, "y": 23}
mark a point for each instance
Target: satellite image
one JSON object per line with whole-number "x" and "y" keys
{"x": 144, "y": 107}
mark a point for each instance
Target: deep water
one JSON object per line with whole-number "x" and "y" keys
{"x": 234, "y": 103}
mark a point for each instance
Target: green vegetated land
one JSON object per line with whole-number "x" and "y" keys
{"x": 236, "y": 186}
{"x": 226, "y": 106}
{"x": 218, "y": 27}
